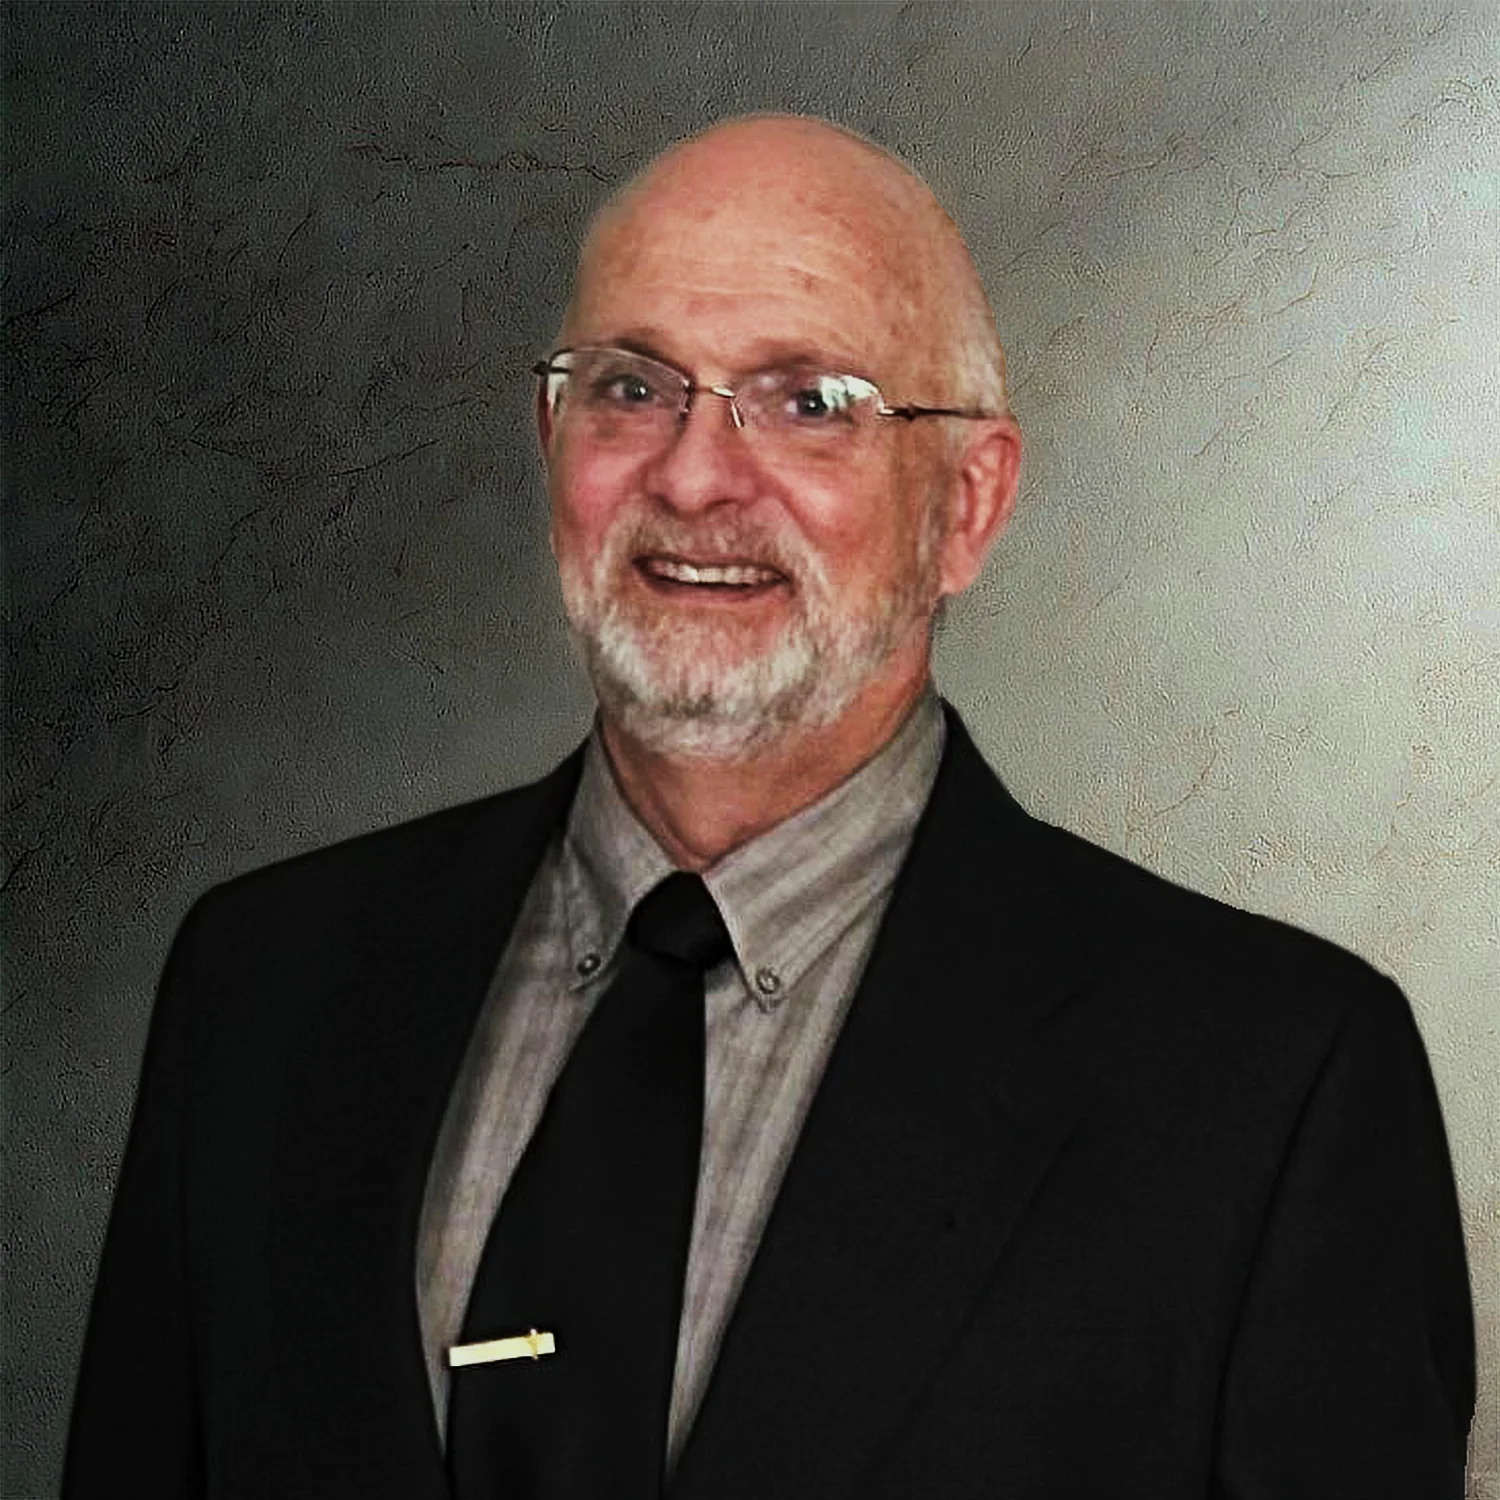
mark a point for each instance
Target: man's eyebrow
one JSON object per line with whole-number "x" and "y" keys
{"x": 641, "y": 343}
{"x": 763, "y": 354}
{"x": 776, "y": 353}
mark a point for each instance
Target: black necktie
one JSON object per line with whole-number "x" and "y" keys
{"x": 590, "y": 1242}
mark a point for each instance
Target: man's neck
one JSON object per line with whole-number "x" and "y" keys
{"x": 699, "y": 810}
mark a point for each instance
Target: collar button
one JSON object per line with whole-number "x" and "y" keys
{"x": 768, "y": 985}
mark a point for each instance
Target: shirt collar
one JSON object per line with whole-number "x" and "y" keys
{"x": 610, "y": 860}
{"x": 786, "y": 895}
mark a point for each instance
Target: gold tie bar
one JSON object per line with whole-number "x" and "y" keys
{"x": 523, "y": 1346}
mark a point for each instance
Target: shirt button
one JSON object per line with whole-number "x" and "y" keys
{"x": 768, "y": 983}
{"x": 588, "y": 965}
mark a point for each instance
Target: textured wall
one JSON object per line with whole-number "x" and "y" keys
{"x": 275, "y": 549}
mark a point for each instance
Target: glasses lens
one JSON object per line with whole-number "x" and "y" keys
{"x": 810, "y": 408}
{"x": 612, "y": 391}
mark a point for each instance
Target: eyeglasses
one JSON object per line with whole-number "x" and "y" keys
{"x": 621, "y": 398}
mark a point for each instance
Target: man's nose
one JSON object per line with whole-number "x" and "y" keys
{"x": 709, "y": 456}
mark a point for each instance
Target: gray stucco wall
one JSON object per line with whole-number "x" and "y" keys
{"x": 276, "y": 564}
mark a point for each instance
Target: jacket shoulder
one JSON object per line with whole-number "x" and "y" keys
{"x": 370, "y": 871}
{"x": 1137, "y": 907}
{"x": 1177, "y": 946}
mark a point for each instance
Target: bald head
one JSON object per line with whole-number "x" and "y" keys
{"x": 761, "y": 179}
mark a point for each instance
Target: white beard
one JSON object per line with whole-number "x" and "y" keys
{"x": 687, "y": 687}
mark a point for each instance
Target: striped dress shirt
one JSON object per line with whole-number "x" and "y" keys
{"x": 802, "y": 903}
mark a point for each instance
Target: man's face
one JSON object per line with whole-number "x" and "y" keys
{"x": 832, "y": 564}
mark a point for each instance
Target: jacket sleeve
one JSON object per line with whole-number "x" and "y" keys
{"x": 1352, "y": 1369}
{"x": 135, "y": 1427}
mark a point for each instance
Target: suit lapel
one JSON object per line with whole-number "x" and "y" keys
{"x": 364, "y": 1088}
{"x": 947, "y": 1097}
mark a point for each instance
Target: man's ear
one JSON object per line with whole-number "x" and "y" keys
{"x": 543, "y": 419}
{"x": 544, "y": 430}
{"x": 981, "y": 497}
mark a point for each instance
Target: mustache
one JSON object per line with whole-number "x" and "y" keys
{"x": 755, "y": 544}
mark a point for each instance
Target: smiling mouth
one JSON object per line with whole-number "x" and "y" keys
{"x": 725, "y": 577}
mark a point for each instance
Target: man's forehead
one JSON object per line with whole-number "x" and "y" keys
{"x": 710, "y": 230}
{"x": 741, "y": 309}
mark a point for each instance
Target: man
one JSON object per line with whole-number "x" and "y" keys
{"x": 1013, "y": 1170}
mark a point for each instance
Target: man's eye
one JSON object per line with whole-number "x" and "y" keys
{"x": 814, "y": 403}
{"x": 625, "y": 390}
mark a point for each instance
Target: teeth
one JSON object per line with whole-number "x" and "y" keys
{"x": 735, "y": 574}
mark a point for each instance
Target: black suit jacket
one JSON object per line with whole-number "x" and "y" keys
{"x": 1108, "y": 1190}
